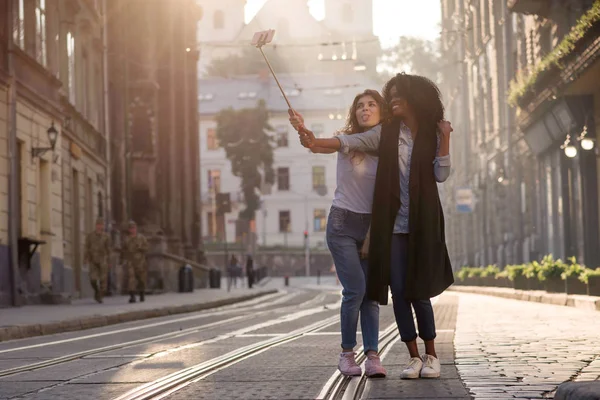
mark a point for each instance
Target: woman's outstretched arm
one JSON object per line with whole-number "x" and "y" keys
{"x": 366, "y": 141}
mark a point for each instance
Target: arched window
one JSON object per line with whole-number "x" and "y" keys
{"x": 219, "y": 19}
{"x": 347, "y": 13}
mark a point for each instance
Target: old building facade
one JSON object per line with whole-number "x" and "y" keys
{"x": 153, "y": 108}
{"x": 51, "y": 90}
{"x": 516, "y": 195}
{"x": 71, "y": 73}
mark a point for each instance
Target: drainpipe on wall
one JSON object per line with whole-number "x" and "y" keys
{"x": 106, "y": 109}
{"x": 13, "y": 187}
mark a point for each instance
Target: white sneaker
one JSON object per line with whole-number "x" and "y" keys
{"x": 431, "y": 367}
{"x": 413, "y": 369}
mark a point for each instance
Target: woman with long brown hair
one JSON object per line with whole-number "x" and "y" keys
{"x": 347, "y": 226}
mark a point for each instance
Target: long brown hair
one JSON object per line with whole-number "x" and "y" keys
{"x": 352, "y": 125}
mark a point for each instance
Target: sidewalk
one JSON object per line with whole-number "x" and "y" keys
{"x": 537, "y": 296}
{"x": 37, "y": 320}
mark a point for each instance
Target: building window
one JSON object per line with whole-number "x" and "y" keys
{"x": 219, "y": 20}
{"x": 318, "y": 129}
{"x": 85, "y": 82}
{"x": 319, "y": 220}
{"x": 19, "y": 23}
{"x": 97, "y": 89}
{"x": 214, "y": 180}
{"x": 100, "y": 205}
{"x": 283, "y": 179}
{"x": 40, "y": 34}
{"x": 71, "y": 66}
{"x": 285, "y": 222}
{"x": 347, "y": 13}
{"x": 318, "y": 176}
{"x": 282, "y": 135}
{"x": 212, "y": 143}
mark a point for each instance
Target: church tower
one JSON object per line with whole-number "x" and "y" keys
{"x": 350, "y": 17}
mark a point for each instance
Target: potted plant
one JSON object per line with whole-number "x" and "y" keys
{"x": 551, "y": 274}
{"x": 571, "y": 276}
{"x": 502, "y": 279}
{"x": 462, "y": 274}
{"x": 488, "y": 275}
{"x": 515, "y": 274}
{"x": 474, "y": 276}
{"x": 531, "y": 273}
{"x": 591, "y": 277}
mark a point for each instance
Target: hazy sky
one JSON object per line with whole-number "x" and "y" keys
{"x": 391, "y": 18}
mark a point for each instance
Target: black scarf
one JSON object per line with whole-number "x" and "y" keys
{"x": 429, "y": 270}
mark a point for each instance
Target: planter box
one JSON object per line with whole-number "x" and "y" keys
{"x": 535, "y": 284}
{"x": 488, "y": 281}
{"x": 554, "y": 285}
{"x": 575, "y": 286}
{"x": 520, "y": 283}
{"x": 502, "y": 282}
{"x": 593, "y": 286}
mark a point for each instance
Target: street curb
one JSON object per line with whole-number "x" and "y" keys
{"x": 96, "y": 321}
{"x": 537, "y": 296}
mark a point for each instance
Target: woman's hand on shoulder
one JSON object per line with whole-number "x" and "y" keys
{"x": 445, "y": 127}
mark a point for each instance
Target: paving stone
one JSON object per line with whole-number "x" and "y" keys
{"x": 492, "y": 338}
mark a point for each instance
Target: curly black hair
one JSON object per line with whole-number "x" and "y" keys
{"x": 421, "y": 94}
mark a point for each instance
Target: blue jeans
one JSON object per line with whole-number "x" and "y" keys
{"x": 402, "y": 307}
{"x": 346, "y": 232}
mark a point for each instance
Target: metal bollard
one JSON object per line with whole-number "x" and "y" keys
{"x": 286, "y": 280}
{"x": 318, "y": 277}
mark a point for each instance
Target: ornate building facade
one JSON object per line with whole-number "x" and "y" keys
{"x": 515, "y": 112}
{"x": 154, "y": 119}
{"x": 53, "y": 157}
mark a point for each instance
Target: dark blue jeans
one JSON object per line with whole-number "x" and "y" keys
{"x": 402, "y": 307}
{"x": 346, "y": 232}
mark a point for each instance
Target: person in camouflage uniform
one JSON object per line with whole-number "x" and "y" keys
{"x": 97, "y": 254}
{"x": 133, "y": 254}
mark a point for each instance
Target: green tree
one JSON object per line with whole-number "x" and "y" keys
{"x": 248, "y": 146}
{"x": 412, "y": 55}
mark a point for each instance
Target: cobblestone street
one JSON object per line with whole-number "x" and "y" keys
{"x": 509, "y": 349}
{"x": 285, "y": 347}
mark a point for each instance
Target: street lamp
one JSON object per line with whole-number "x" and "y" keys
{"x": 569, "y": 148}
{"x": 571, "y": 151}
{"x": 52, "y": 137}
{"x": 360, "y": 66}
{"x": 587, "y": 144}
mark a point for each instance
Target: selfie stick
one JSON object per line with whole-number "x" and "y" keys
{"x": 260, "y": 39}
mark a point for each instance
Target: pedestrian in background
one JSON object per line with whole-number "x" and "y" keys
{"x": 97, "y": 256}
{"x": 133, "y": 253}
{"x": 250, "y": 270}
{"x": 232, "y": 272}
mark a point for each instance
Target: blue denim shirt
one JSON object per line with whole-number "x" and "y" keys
{"x": 369, "y": 141}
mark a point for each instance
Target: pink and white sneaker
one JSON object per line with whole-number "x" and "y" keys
{"x": 373, "y": 367}
{"x": 347, "y": 364}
